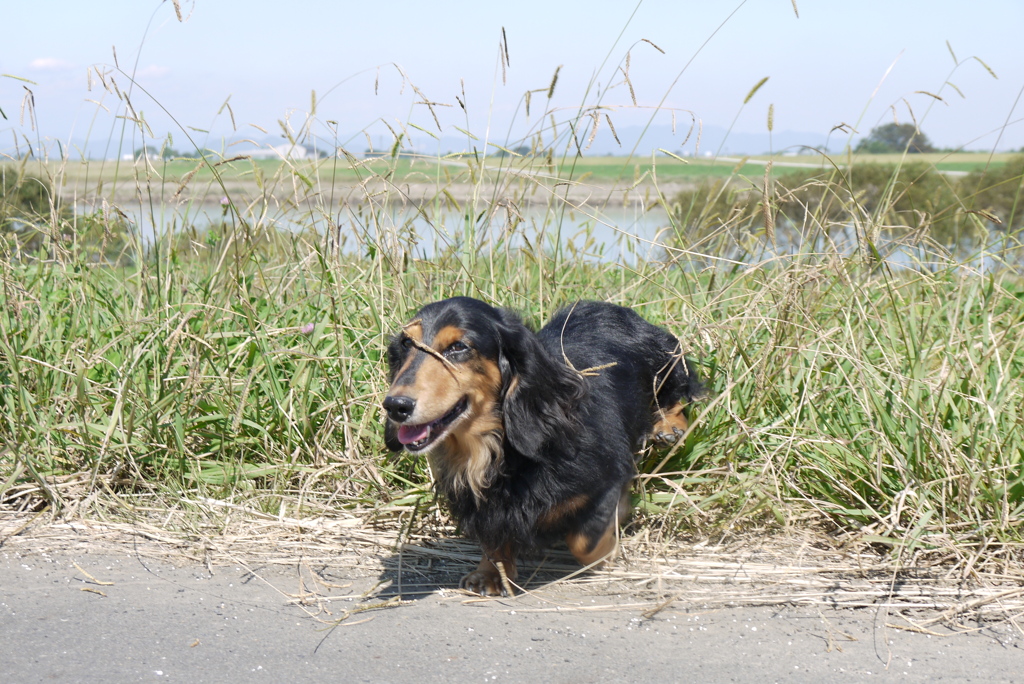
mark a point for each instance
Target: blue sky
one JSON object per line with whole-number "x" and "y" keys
{"x": 860, "y": 63}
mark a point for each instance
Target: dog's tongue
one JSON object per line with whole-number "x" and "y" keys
{"x": 407, "y": 434}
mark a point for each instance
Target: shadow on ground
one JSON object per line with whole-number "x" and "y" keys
{"x": 424, "y": 567}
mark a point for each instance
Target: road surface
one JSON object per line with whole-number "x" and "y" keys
{"x": 110, "y": 616}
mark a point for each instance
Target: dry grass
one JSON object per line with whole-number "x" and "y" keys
{"x": 752, "y": 569}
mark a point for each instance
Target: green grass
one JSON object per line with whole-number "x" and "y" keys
{"x": 847, "y": 393}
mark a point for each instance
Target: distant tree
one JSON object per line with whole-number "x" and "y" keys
{"x": 522, "y": 151}
{"x": 895, "y": 138}
{"x": 150, "y": 152}
{"x": 209, "y": 154}
{"x": 315, "y": 152}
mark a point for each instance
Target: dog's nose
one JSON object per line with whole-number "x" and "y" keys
{"x": 399, "y": 408}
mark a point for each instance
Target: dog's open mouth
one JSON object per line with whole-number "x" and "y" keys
{"x": 419, "y": 437}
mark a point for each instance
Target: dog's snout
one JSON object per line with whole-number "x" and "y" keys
{"x": 399, "y": 408}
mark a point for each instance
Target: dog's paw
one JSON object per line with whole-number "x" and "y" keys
{"x": 668, "y": 438}
{"x": 484, "y": 583}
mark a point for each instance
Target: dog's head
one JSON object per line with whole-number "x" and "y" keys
{"x": 462, "y": 370}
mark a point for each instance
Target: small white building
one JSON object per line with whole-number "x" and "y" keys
{"x": 286, "y": 151}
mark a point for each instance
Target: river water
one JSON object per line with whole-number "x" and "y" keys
{"x": 623, "y": 234}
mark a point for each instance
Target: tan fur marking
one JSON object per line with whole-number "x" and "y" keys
{"x": 414, "y": 329}
{"x": 435, "y": 389}
{"x": 467, "y": 461}
{"x": 562, "y": 510}
{"x": 586, "y": 553}
{"x": 670, "y": 420}
{"x": 471, "y": 454}
{"x": 445, "y": 336}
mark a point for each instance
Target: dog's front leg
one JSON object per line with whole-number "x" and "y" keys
{"x": 494, "y": 575}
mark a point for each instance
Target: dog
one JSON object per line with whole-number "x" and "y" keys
{"x": 531, "y": 436}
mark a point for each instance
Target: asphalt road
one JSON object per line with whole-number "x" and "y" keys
{"x": 118, "y": 617}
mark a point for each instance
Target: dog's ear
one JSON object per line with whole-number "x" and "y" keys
{"x": 539, "y": 393}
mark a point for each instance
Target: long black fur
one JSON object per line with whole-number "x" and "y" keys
{"x": 577, "y": 400}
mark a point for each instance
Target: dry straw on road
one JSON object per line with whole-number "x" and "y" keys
{"x": 648, "y": 577}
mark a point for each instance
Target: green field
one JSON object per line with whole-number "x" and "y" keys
{"x": 610, "y": 169}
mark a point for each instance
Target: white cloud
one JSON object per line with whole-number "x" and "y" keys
{"x": 49, "y": 64}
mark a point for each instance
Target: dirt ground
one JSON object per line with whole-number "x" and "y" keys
{"x": 81, "y": 603}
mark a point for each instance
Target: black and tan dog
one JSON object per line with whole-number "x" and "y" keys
{"x": 531, "y": 437}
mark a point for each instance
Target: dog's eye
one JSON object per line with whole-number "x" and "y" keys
{"x": 456, "y": 347}
{"x": 406, "y": 342}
